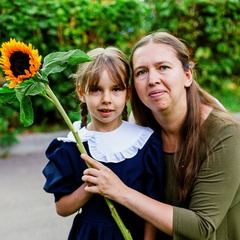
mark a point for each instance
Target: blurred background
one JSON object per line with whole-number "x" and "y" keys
{"x": 211, "y": 29}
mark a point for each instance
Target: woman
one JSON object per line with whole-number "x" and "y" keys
{"x": 200, "y": 142}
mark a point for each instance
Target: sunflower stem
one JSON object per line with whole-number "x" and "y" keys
{"x": 51, "y": 96}
{"x": 125, "y": 232}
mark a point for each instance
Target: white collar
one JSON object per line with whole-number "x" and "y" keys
{"x": 115, "y": 146}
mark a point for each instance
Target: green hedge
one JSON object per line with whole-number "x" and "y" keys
{"x": 212, "y": 28}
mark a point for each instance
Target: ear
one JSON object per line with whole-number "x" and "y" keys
{"x": 80, "y": 94}
{"x": 188, "y": 78}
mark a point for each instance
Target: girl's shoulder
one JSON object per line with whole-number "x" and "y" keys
{"x": 58, "y": 149}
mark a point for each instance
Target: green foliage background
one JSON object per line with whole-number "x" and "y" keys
{"x": 210, "y": 27}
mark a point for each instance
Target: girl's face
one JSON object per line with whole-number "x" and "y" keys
{"x": 105, "y": 103}
{"x": 159, "y": 78}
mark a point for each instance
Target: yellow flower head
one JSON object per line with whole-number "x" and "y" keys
{"x": 19, "y": 61}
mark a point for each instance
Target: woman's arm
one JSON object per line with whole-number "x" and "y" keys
{"x": 103, "y": 181}
{"x": 71, "y": 203}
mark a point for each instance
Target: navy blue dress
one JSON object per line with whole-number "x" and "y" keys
{"x": 142, "y": 172}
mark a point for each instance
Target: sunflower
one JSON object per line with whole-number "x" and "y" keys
{"x": 19, "y": 61}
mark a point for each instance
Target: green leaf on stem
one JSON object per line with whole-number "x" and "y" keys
{"x": 29, "y": 89}
{"x": 26, "y": 111}
{"x": 56, "y": 62}
{"x": 34, "y": 88}
{"x": 7, "y": 95}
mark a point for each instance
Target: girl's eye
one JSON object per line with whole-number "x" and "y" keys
{"x": 116, "y": 89}
{"x": 95, "y": 89}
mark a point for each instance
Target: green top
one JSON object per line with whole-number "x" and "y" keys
{"x": 213, "y": 210}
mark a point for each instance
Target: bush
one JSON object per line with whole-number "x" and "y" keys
{"x": 64, "y": 25}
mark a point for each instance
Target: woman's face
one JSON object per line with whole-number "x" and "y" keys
{"x": 159, "y": 78}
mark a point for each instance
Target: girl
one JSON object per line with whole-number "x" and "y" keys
{"x": 132, "y": 152}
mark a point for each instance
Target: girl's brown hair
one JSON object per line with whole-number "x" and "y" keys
{"x": 89, "y": 73}
{"x": 192, "y": 132}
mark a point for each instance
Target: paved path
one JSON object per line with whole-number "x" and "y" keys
{"x": 26, "y": 211}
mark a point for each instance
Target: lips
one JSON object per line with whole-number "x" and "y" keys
{"x": 156, "y": 93}
{"x": 105, "y": 110}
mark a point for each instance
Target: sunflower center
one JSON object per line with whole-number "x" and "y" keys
{"x": 19, "y": 62}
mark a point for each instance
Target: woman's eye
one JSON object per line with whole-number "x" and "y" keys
{"x": 163, "y": 67}
{"x": 141, "y": 72}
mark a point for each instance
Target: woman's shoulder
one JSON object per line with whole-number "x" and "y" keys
{"x": 221, "y": 125}
{"x": 220, "y": 118}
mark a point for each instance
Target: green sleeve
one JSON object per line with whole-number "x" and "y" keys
{"x": 214, "y": 190}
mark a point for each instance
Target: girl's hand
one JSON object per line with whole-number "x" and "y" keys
{"x": 101, "y": 179}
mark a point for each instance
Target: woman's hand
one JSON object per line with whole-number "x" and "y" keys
{"x": 101, "y": 179}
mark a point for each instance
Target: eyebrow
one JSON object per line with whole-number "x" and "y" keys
{"x": 157, "y": 63}
{"x": 139, "y": 67}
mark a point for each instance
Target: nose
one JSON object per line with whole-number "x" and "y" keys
{"x": 153, "y": 77}
{"x": 106, "y": 98}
